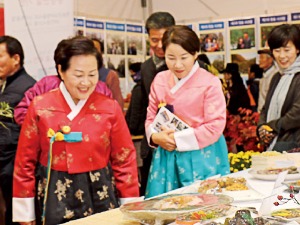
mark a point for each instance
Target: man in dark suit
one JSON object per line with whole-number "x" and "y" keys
{"x": 14, "y": 82}
{"x": 156, "y": 25}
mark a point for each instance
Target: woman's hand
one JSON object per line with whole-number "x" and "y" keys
{"x": 165, "y": 139}
{"x": 27, "y": 223}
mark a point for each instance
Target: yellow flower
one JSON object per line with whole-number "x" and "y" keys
{"x": 161, "y": 104}
{"x": 241, "y": 160}
{"x": 59, "y": 136}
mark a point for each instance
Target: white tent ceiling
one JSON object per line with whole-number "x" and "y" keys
{"x": 184, "y": 11}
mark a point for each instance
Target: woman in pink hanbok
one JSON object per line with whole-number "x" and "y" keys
{"x": 195, "y": 96}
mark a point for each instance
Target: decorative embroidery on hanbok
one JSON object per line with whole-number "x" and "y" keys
{"x": 68, "y": 214}
{"x": 129, "y": 179}
{"x": 57, "y": 158}
{"x": 88, "y": 212}
{"x": 41, "y": 188}
{"x": 97, "y": 117}
{"x": 103, "y": 194}
{"x": 218, "y": 160}
{"x": 79, "y": 194}
{"x": 105, "y": 139}
{"x": 86, "y": 138}
{"x": 69, "y": 160}
{"x": 81, "y": 121}
{"x": 121, "y": 157}
{"x": 92, "y": 106}
{"x": 95, "y": 176}
{"x": 46, "y": 113}
{"x": 61, "y": 188}
{"x": 111, "y": 206}
{"x": 31, "y": 130}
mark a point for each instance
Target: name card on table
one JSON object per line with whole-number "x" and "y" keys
{"x": 267, "y": 203}
{"x": 280, "y": 178}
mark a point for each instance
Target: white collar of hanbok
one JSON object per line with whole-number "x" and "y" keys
{"x": 75, "y": 109}
{"x": 185, "y": 79}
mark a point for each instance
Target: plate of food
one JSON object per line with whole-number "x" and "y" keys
{"x": 289, "y": 214}
{"x": 272, "y": 173}
{"x": 167, "y": 207}
{"x": 235, "y": 187}
{"x": 204, "y": 215}
{"x": 294, "y": 184}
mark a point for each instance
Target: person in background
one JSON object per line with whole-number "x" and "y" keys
{"x": 15, "y": 81}
{"x": 254, "y": 76}
{"x": 49, "y": 83}
{"x": 110, "y": 77}
{"x": 246, "y": 40}
{"x": 181, "y": 157}
{"x": 156, "y": 25}
{"x": 235, "y": 92}
{"x": 133, "y": 116}
{"x": 75, "y": 156}
{"x": 132, "y": 49}
{"x": 210, "y": 68}
{"x": 269, "y": 70}
{"x": 240, "y": 44}
{"x": 279, "y": 127}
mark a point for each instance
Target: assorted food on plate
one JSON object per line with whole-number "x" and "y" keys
{"x": 167, "y": 208}
{"x": 240, "y": 217}
{"x": 272, "y": 173}
{"x": 294, "y": 184}
{"x": 292, "y": 214}
{"x": 211, "y": 206}
{"x": 223, "y": 184}
{"x": 204, "y": 215}
{"x": 291, "y": 170}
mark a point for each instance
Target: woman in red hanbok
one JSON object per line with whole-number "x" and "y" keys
{"x": 75, "y": 155}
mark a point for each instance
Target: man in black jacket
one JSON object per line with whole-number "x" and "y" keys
{"x": 14, "y": 81}
{"x": 156, "y": 25}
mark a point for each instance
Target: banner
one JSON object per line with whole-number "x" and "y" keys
{"x": 39, "y": 26}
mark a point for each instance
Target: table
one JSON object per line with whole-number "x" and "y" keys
{"x": 115, "y": 216}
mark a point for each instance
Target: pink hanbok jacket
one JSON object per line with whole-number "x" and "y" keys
{"x": 197, "y": 99}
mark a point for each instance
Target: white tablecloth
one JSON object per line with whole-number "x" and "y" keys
{"x": 263, "y": 187}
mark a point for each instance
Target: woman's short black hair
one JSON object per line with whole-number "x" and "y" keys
{"x": 75, "y": 46}
{"x": 183, "y": 36}
{"x": 282, "y": 34}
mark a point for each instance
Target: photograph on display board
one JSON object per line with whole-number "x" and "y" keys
{"x": 212, "y": 42}
{"x": 134, "y": 45}
{"x": 98, "y": 35}
{"x": 217, "y": 61}
{"x": 242, "y": 38}
{"x": 264, "y": 32}
{"x": 117, "y": 63}
{"x": 115, "y": 43}
{"x": 244, "y": 60}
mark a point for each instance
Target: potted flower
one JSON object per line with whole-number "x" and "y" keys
{"x": 240, "y": 131}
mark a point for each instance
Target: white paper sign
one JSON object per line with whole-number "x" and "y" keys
{"x": 280, "y": 178}
{"x": 39, "y": 26}
{"x": 266, "y": 205}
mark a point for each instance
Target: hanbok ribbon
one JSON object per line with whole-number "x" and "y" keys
{"x": 64, "y": 135}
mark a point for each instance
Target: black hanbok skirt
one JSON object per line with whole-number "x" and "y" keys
{"x": 74, "y": 196}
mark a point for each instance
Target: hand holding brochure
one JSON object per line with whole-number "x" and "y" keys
{"x": 169, "y": 120}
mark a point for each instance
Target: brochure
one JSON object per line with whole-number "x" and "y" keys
{"x": 167, "y": 119}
